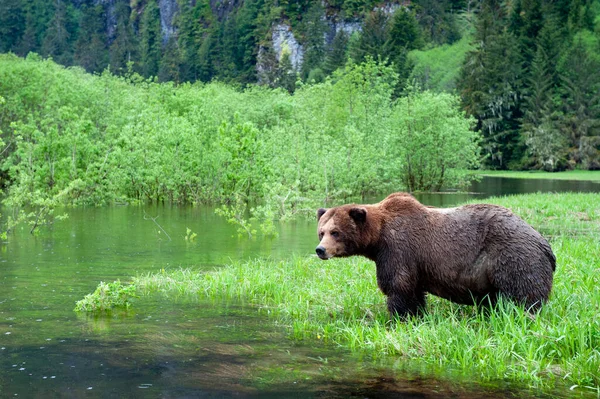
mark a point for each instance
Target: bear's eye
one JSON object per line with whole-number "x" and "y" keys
{"x": 320, "y": 235}
{"x": 335, "y": 234}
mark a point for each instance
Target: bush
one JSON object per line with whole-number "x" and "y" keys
{"x": 107, "y": 297}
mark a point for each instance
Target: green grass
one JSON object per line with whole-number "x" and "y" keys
{"x": 589, "y": 175}
{"x": 338, "y": 301}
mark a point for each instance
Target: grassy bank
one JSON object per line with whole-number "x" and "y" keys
{"x": 589, "y": 175}
{"x": 338, "y": 301}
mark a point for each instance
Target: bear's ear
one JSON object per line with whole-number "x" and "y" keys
{"x": 320, "y": 213}
{"x": 358, "y": 214}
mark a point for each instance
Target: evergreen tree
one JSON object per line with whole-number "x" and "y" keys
{"x": 247, "y": 40}
{"x": 123, "y": 48}
{"x": 372, "y": 39}
{"x": 90, "y": 47}
{"x": 286, "y": 75}
{"x": 150, "y": 39}
{"x": 404, "y": 35}
{"x": 336, "y": 56}
{"x": 268, "y": 66}
{"x": 526, "y": 21}
{"x": 436, "y": 22}
{"x": 205, "y": 61}
{"x": 224, "y": 56}
{"x": 12, "y": 24}
{"x": 491, "y": 86}
{"x": 169, "y": 64}
{"x": 580, "y": 15}
{"x": 540, "y": 129}
{"x": 37, "y": 17}
{"x": 57, "y": 39}
{"x": 314, "y": 43}
{"x": 188, "y": 40}
{"x": 550, "y": 42}
{"x": 581, "y": 103}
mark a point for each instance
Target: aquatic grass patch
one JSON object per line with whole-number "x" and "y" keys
{"x": 338, "y": 301}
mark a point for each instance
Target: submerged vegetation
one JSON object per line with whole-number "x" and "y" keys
{"x": 78, "y": 139}
{"x": 338, "y": 301}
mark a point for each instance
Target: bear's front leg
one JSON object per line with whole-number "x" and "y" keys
{"x": 402, "y": 305}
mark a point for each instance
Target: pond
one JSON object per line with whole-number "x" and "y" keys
{"x": 185, "y": 347}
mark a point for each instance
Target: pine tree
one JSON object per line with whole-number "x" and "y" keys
{"x": 491, "y": 86}
{"x": 169, "y": 64}
{"x": 90, "y": 47}
{"x": 150, "y": 39}
{"x": 403, "y": 35}
{"x": 581, "y": 103}
{"x": 286, "y": 75}
{"x": 187, "y": 37}
{"x": 580, "y": 15}
{"x": 372, "y": 39}
{"x": 247, "y": 41}
{"x": 550, "y": 40}
{"x": 314, "y": 43}
{"x": 205, "y": 59}
{"x": 436, "y": 22}
{"x": 123, "y": 48}
{"x": 57, "y": 39}
{"x": 540, "y": 128}
{"x": 526, "y": 21}
{"x": 337, "y": 56}
{"x": 12, "y": 24}
{"x": 224, "y": 55}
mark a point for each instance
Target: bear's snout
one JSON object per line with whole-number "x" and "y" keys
{"x": 321, "y": 252}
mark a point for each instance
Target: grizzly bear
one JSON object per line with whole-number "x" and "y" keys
{"x": 471, "y": 254}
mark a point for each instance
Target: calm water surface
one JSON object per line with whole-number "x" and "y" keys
{"x": 184, "y": 348}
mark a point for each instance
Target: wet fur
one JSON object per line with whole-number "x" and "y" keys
{"x": 468, "y": 254}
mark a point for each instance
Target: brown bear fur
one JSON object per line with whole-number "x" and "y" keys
{"x": 468, "y": 254}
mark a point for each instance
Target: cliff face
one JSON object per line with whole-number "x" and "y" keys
{"x": 284, "y": 42}
{"x": 282, "y": 37}
{"x": 168, "y": 10}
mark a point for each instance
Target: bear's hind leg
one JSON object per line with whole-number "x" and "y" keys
{"x": 523, "y": 281}
{"x": 406, "y": 305}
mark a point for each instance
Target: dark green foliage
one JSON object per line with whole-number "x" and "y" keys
{"x": 581, "y": 103}
{"x": 314, "y": 44}
{"x": 59, "y": 34}
{"x": 12, "y": 23}
{"x": 150, "y": 39}
{"x": 123, "y": 49}
{"x": 403, "y": 36}
{"x": 436, "y": 21}
{"x": 90, "y": 48}
{"x": 37, "y": 16}
{"x": 286, "y": 76}
{"x": 337, "y": 55}
{"x": 371, "y": 41}
{"x": 169, "y": 64}
{"x": 532, "y": 84}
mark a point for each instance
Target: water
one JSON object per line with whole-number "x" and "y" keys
{"x": 187, "y": 347}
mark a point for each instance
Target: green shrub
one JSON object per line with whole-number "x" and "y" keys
{"x": 106, "y": 297}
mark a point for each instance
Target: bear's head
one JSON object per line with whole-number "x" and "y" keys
{"x": 343, "y": 231}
